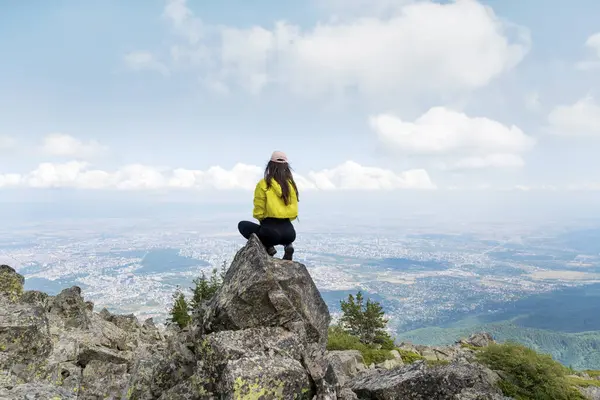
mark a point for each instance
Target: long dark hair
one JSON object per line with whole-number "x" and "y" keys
{"x": 282, "y": 173}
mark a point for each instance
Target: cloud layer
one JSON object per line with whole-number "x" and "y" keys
{"x": 81, "y": 175}
{"x": 423, "y": 46}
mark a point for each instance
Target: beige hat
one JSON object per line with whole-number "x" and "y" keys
{"x": 279, "y": 157}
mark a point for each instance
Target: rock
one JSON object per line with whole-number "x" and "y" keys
{"x": 24, "y": 335}
{"x": 71, "y": 308}
{"x": 89, "y": 352}
{"x": 395, "y": 354}
{"x": 11, "y": 283}
{"x": 37, "y": 391}
{"x": 155, "y": 373}
{"x": 482, "y": 339}
{"x": 103, "y": 380}
{"x": 590, "y": 392}
{"x": 420, "y": 382}
{"x": 347, "y": 394}
{"x": 271, "y": 377}
{"x": 390, "y": 364}
{"x": 57, "y": 347}
{"x": 258, "y": 360}
{"x": 263, "y": 334}
{"x": 260, "y": 290}
{"x": 35, "y": 298}
{"x": 428, "y": 353}
{"x": 345, "y": 364}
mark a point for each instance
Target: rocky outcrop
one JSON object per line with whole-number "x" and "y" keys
{"x": 262, "y": 336}
{"x": 56, "y": 347}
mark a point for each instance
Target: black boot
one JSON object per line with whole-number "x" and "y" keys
{"x": 289, "y": 252}
{"x": 271, "y": 251}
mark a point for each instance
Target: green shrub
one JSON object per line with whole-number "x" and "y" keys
{"x": 594, "y": 373}
{"x": 577, "y": 381}
{"x": 409, "y": 357}
{"x": 470, "y": 347}
{"x": 341, "y": 340}
{"x": 528, "y": 375}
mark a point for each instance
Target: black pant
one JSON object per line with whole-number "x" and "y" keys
{"x": 271, "y": 231}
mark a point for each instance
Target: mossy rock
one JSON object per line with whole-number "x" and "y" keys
{"x": 11, "y": 283}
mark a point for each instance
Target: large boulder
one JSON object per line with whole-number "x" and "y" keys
{"x": 419, "y": 381}
{"x": 263, "y": 335}
{"x": 260, "y": 291}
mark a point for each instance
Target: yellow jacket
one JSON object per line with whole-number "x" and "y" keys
{"x": 268, "y": 203}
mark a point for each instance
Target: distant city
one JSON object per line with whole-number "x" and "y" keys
{"x": 433, "y": 285}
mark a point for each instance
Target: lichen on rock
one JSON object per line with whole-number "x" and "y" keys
{"x": 11, "y": 283}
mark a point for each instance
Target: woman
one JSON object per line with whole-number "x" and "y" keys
{"x": 275, "y": 207}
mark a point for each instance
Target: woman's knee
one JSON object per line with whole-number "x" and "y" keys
{"x": 247, "y": 228}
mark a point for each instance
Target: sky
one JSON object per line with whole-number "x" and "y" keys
{"x": 372, "y": 96}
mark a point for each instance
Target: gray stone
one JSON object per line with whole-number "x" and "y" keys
{"x": 260, "y": 290}
{"x": 391, "y": 364}
{"x": 591, "y": 392}
{"x": 345, "y": 364}
{"x": 35, "y": 298}
{"x": 24, "y": 334}
{"x": 71, "y": 308}
{"x": 271, "y": 377}
{"x": 481, "y": 339}
{"x": 419, "y": 382}
{"x": 37, "y": 391}
{"x": 103, "y": 380}
{"x": 395, "y": 354}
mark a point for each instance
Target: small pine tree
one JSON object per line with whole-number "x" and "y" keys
{"x": 179, "y": 311}
{"x": 205, "y": 288}
{"x": 365, "y": 320}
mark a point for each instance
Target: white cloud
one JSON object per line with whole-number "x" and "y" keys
{"x": 182, "y": 18}
{"x": 593, "y": 44}
{"x": 581, "y": 118}
{"x": 75, "y": 174}
{"x": 423, "y": 46}
{"x": 144, "y": 60}
{"x": 7, "y": 180}
{"x": 7, "y": 143}
{"x": 353, "y": 176}
{"x": 473, "y": 142}
{"x": 61, "y": 145}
